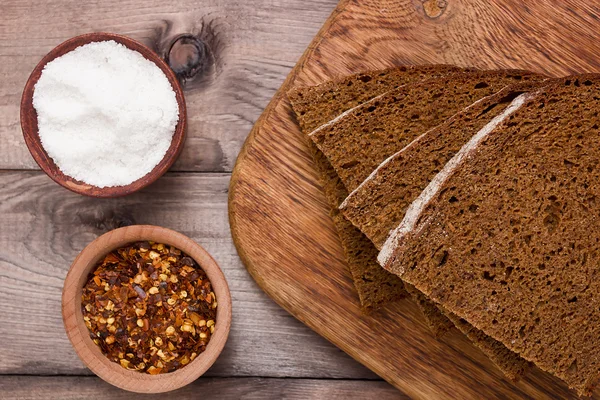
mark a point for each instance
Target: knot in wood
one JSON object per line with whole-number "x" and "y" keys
{"x": 434, "y": 8}
{"x": 188, "y": 56}
{"x": 105, "y": 220}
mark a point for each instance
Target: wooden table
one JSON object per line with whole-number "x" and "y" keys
{"x": 246, "y": 48}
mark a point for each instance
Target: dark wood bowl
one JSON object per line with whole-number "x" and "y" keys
{"x": 29, "y": 123}
{"x": 90, "y": 353}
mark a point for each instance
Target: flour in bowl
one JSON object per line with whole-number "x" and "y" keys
{"x": 106, "y": 115}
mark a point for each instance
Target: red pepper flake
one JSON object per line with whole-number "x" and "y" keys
{"x": 149, "y": 307}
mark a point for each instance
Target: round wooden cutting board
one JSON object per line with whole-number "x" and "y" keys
{"x": 278, "y": 214}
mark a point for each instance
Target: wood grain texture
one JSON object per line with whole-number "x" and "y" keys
{"x": 72, "y": 388}
{"x": 43, "y": 228}
{"x": 251, "y": 47}
{"x": 90, "y": 353}
{"x": 29, "y": 120}
{"x": 278, "y": 214}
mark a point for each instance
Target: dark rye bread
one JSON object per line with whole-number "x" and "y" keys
{"x": 513, "y": 366}
{"x": 509, "y": 240}
{"x": 439, "y": 323}
{"x": 436, "y": 319}
{"x": 375, "y": 286}
{"x": 357, "y": 142}
{"x": 363, "y": 266}
{"x": 316, "y": 105}
{"x": 377, "y": 206}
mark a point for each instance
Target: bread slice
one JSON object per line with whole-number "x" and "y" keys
{"x": 505, "y": 236}
{"x": 375, "y": 286}
{"x": 315, "y": 106}
{"x": 437, "y": 321}
{"x": 356, "y": 142}
{"x": 378, "y": 204}
{"x": 513, "y": 366}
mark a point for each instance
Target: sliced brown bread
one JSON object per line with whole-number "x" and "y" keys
{"x": 372, "y": 297}
{"x": 513, "y": 366}
{"x": 360, "y": 139}
{"x": 375, "y": 285}
{"x": 316, "y": 105}
{"x": 505, "y": 236}
{"x": 440, "y": 323}
{"x": 378, "y": 204}
{"x": 436, "y": 320}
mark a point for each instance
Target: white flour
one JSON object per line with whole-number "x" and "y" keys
{"x": 106, "y": 115}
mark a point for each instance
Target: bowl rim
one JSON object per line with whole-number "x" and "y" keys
{"x": 91, "y": 354}
{"x": 29, "y": 125}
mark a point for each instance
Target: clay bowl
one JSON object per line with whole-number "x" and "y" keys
{"x": 90, "y": 353}
{"x": 30, "y": 127}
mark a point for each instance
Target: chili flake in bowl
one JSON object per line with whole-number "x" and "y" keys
{"x": 149, "y": 307}
{"x": 146, "y": 308}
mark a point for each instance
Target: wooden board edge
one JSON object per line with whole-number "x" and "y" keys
{"x": 279, "y": 95}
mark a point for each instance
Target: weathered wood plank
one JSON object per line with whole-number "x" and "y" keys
{"x": 252, "y": 47}
{"x": 43, "y": 227}
{"x": 70, "y": 388}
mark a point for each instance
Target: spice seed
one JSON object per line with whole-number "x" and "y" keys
{"x": 153, "y": 370}
{"x": 195, "y": 318}
{"x": 140, "y": 323}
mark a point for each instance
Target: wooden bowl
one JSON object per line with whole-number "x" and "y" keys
{"x": 29, "y": 123}
{"x": 91, "y": 354}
